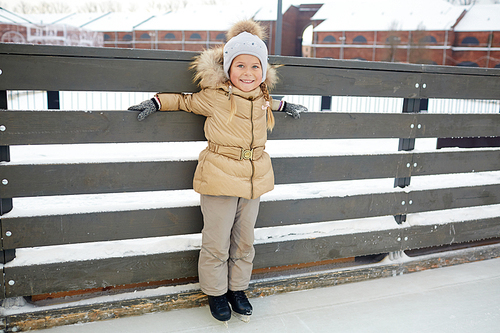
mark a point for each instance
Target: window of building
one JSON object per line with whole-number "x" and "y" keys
{"x": 127, "y": 37}
{"x": 392, "y": 40}
{"x": 470, "y": 41}
{"x": 145, "y": 36}
{"x": 427, "y": 40}
{"x": 359, "y": 40}
{"x": 329, "y": 39}
{"x": 468, "y": 64}
{"x": 221, "y": 36}
{"x": 169, "y": 36}
{"x": 107, "y": 37}
{"x": 497, "y": 66}
{"x": 195, "y": 36}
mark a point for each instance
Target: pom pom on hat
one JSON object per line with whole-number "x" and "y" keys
{"x": 245, "y": 43}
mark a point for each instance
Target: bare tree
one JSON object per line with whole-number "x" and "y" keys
{"x": 462, "y": 2}
{"x": 102, "y": 7}
{"x": 393, "y": 40}
{"x": 95, "y": 6}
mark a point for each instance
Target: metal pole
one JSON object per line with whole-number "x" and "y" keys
{"x": 277, "y": 45}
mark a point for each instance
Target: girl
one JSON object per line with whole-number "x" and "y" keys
{"x": 234, "y": 170}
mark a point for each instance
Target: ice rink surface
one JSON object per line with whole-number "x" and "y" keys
{"x": 462, "y": 298}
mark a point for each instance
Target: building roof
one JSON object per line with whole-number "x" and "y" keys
{"x": 480, "y": 18}
{"x": 338, "y": 15}
{"x": 195, "y": 18}
{"x": 10, "y": 17}
{"x": 369, "y": 15}
{"x": 119, "y": 21}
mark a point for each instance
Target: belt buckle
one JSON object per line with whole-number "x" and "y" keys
{"x": 246, "y": 154}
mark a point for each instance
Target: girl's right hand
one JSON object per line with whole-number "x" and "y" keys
{"x": 146, "y": 108}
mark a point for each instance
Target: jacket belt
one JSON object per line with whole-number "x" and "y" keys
{"x": 236, "y": 153}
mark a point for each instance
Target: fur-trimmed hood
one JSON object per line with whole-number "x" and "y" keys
{"x": 209, "y": 64}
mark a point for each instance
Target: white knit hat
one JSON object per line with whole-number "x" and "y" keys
{"x": 245, "y": 43}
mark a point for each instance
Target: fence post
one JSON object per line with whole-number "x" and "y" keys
{"x": 5, "y": 203}
{"x": 410, "y": 105}
{"x": 53, "y": 100}
{"x": 326, "y": 103}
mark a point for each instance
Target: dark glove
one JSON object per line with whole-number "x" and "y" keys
{"x": 146, "y": 108}
{"x": 294, "y": 110}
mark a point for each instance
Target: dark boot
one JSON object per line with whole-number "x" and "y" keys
{"x": 239, "y": 302}
{"x": 219, "y": 307}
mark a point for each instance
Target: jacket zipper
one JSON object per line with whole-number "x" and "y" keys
{"x": 251, "y": 145}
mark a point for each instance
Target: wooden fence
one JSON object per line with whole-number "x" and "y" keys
{"x": 28, "y": 67}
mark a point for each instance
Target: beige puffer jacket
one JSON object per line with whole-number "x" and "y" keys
{"x": 220, "y": 170}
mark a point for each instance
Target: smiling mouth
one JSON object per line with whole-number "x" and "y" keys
{"x": 247, "y": 81}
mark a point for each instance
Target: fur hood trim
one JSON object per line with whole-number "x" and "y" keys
{"x": 209, "y": 65}
{"x": 246, "y": 26}
{"x": 210, "y": 70}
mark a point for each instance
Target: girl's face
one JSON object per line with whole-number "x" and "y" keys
{"x": 246, "y": 72}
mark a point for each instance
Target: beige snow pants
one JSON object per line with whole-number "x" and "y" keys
{"x": 227, "y": 250}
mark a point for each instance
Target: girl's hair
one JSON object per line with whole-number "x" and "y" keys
{"x": 270, "y": 116}
{"x": 267, "y": 97}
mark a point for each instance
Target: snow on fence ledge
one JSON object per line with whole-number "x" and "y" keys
{"x": 96, "y": 199}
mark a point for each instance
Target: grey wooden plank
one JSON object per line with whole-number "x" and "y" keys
{"x": 151, "y": 70}
{"x": 92, "y": 52}
{"x": 64, "y": 127}
{"x": 449, "y": 198}
{"x": 85, "y": 178}
{"x": 447, "y": 85}
{"x": 101, "y": 226}
{"x": 79, "y": 275}
{"x": 61, "y": 179}
{"x": 118, "y": 271}
{"x": 68, "y": 127}
{"x": 332, "y": 168}
{"x": 448, "y": 162}
{"x": 416, "y": 237}
{"x": 77, "y": 228}
{"x": 456, "y": 125}
{"x": 58, "y": 73}
{"x": 382, "y": 66}
{"x": 333, "y": 125}
{"x": 91, "y": 227}
{"x": 287, "y": 212}
{"x": 330, "y": 81}
{"x": 326, "y": 248}
{"x": 120, "y": 53}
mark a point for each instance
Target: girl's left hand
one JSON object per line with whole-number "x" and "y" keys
{"x": 294, "y": 110}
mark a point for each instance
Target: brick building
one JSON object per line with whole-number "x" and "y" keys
{"x": 426, "y": 32}
{"x": 16, "y": 28}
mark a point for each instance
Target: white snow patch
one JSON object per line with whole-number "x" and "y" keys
{"x": 139, "y": 294}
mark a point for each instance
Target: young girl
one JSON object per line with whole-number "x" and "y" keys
{"x": 234, "y": 170}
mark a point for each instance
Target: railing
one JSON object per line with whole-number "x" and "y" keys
{"x": 85, "y": 205}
